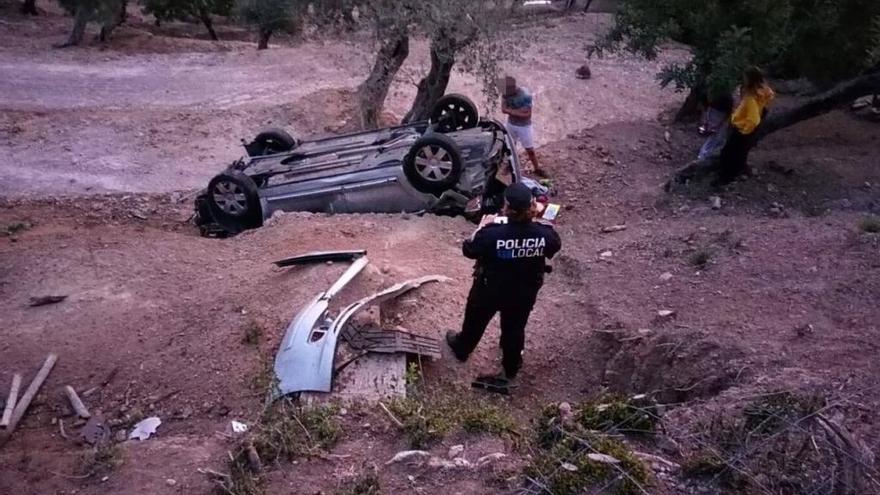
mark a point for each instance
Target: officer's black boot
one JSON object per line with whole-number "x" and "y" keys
{"x": 452, "y": 342}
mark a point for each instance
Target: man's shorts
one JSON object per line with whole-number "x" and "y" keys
{"x": 522, "y": 134}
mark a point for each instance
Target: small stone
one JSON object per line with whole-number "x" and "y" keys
{"x": 771, "y": 188}
{"x": 603, "y": 458}
{"x": 665, "y": 277}
{"x": 583, "y": 72}
{"x": 569, "y": 467}
{"x": 120, "y": 436}
{"x": 665, "y": 313}
{"x": 606, "y": 254}
{"x": 455, "y": 451}
{"x": 565, "y": 411}
{"x": 716, "y": 202}
{"x": 667, "y": 137}
{"x": 170, "y": 482}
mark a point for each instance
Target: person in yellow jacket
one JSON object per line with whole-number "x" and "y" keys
{"x": 756, "y": 96}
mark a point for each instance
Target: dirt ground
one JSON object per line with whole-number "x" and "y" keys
{"x": 162, "y": 312}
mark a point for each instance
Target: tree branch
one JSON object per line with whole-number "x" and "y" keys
{"x": 822, "y": 103}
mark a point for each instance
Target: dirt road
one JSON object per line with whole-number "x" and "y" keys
{"x": 90, "y": 121}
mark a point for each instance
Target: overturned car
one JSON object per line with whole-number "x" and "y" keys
{"x": 454, "y": 163}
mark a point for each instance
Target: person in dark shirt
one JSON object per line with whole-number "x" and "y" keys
{"x": 516, "y": 103}
{"x": 510, "y": 266}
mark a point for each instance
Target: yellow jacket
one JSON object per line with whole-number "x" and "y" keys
{"x": 747, "y": 115}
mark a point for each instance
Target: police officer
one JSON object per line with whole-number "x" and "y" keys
{"x": 509, "y": 273}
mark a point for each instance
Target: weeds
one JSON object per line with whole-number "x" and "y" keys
{"x": 100, "y": 459}
{"x": 566, "y": 461}
{"x": 286, "y": 431}
{"x": 366, "y": 484}
{"x": 870, "y": 224}
{"x": 15, "y": 228}
{"x": 253, "y": 333}
{"x": 617, "y": 414}
{"x": 263, "y": 379}
{"x": 700, "y": 257}
{"x": 427, "y": 418}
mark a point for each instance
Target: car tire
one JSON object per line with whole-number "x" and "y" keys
{"x": 454, "y": 112}
{"x": 234, "y": 201}
{"x": 433, "y": 164}
{"x": 272, "y": 141}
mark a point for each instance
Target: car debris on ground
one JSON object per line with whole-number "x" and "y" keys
{"x": 145, "y": 428}
{"x": 320, "y": 256}
{"x": 306, "y": 358}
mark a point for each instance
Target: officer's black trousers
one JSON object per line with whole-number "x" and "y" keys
{"x": 484, "y": 300}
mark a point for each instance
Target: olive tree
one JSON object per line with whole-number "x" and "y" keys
{"x": 269, "y": 16}
{"x": 104, "y": 12}
{"x": 827, "y": 42}
{"x": 188, "y": 10}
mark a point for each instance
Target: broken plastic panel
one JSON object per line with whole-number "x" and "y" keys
{"x": 320, "y": 257}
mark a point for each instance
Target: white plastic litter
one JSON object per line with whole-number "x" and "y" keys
{"x": 238, "y": 427}
{"x": 145, "y": 428}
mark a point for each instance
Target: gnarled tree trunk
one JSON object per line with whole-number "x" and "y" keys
{"x": 263, "y": 42}
{"x": 835, "y": 97}
{"x": 393, "y": 51}
{"x": 29, "y": 7}
{"x": 205, "y": 17}
{"x": 690, "y": 109}
{"x": 432, "y": 87}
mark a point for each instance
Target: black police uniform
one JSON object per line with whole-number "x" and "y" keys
{"x": 509, "y": 273}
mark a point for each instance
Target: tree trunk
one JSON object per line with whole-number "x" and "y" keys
{"x": 29, "y": 7}
{"x": 587, "y": 6}
{"x": 393, "y": 51}
{"x": 432, "y": 87}
{"x": 839, "y": 95}
{"x": 690, "y": 109}
{"x": 80, "y": 19}
{"x": 205, "y": 17}
{"x": 263, "y": 42}
{"x": 123, "y": 12}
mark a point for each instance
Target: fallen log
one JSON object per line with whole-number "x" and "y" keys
{"x": 28, "y": 396}
{"x": 11, "y": 400}
{"x": 78, "y": 407}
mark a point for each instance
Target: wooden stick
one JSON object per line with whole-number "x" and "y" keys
{"x": 76, "y": 403}
{"x": 28, "y": 396}
{"x": 11, "y": 399}
{"x": 391, "y": 415}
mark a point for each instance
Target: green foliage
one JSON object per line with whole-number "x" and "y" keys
{"x": 769, "y": 414}
{"x": 186, "y": 10}
{"x": 427, "y": 418}
{"x": 824, "y": 40}
{"x": 15, "y": 228}
{"x": 270, "y": 15}
{"x": 565, "y": 461}
{"x": 700, "y": 257}
{"x": 873, "y": 58}
{"x": 253, "y": 333}
{"x": 616, "y": 414}
{"x": 100, "y": 459}
{"x": 101, "y": 11}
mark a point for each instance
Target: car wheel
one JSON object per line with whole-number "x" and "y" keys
{"x": 433, "y": 164}
{"x": 271, "y": 141}
{"x": 234, "y": 201}
{"x": 454, "y": 113}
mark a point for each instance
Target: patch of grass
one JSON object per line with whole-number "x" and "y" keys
{"x": 870, "y": 224}
{"x": 617, "y": 414}
{"x": 100, "y": 459}
{"x": 700, "y": 257}
{"x": 768, "y": 414}
{"x": 253, "y": 333}
{"x": 566, "y": 467}
{"x": 263, "y": 379}
{"x": 428, "y": 418}
{"x": 366, "y": 484}
{"x": 15, "y": 228}
{"x": 702, "y": 464}
{"x": 286, "y": 431}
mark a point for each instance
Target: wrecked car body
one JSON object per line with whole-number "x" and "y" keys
{"x": 454, "y": 163}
